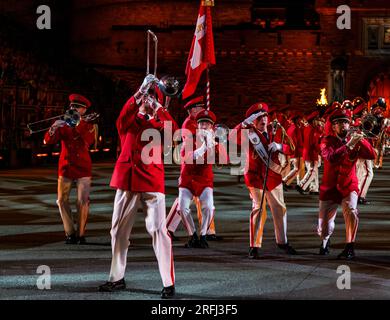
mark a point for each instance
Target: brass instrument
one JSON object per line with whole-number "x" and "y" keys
{"x": 370, "y": 127}
{"x": 168, "y": 85}
{"x": 71, "y": 117}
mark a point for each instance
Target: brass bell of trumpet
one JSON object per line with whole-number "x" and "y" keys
{"x": 169, "y": 86}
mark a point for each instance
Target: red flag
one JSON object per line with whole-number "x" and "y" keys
{"x": 202, "y": 53}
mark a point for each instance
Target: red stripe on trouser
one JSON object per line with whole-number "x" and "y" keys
{"x": 175, "y": 212}
{"x": 211, "y": 220}
{"x": 307, "y": 179}
{"x": 365, "y": 178}
{"x": 172, "y": 266}
{"x": 252, "y": 230}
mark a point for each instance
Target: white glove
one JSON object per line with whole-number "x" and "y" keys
{"x": 355, "y": 138}
{"x": 147, "y": 83}
{"x": 200, "y": 151}
{"x": 156, "y": 105}
{"x": 275, "y": 147}
{"x": 250, "y": 119}
{"x": 210, "y": 141}
{"x": 57, "y": 124}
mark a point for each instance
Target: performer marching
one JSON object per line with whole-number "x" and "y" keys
{"x": 196, "y": 177}
{"x": 339, "y": 183}
{"x": 140, "y": 184}
{"x": 74, "y": 165}
{"x": 189, "y": 127}
{"x": 264, "y": 142}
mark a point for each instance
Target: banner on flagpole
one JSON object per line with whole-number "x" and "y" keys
{"x": 202, "y": 53}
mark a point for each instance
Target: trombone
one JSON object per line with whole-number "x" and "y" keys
{"x": 71, "y": 117}
{"x": 168, "y": 85}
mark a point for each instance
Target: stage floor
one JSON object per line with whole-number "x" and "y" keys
{"x": 31, "y": 234}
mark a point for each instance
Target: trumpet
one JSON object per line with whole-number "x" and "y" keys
{"x": 71, "y": 117}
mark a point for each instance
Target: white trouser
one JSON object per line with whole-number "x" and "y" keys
{"x": 311, "y": 176}
{"x": 174, "y": 217}
{"x": 207, "y": 206}
{"x": 83, "y": 189}
{"x": 257, "y": 220}
{"x": 293, "y": 172}
{"x": 365, "y": 173}
{"x": 327, "y": 216}
{"x": 126, "y": 204}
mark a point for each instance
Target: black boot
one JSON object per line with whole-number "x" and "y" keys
{"x": 168, "y": 292}
{"x": 363, "y": 201}
{"x": 72, "y": 239}
{"x": 173, "y": 237}
{"x": 193, "y": 241}
{"x": 299, "y": 189}
{"x": 324, "y": 251}
{"x": 287, "y": 249}
{"x": 213, "y": 237}
{"x": 348, "y": 252}
{"x": 253, "y": 253}
{"x": 203, "y": 242}
{"x": 113, "y": 286}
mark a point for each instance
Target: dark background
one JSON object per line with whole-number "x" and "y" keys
{"x": 280, "y": 52}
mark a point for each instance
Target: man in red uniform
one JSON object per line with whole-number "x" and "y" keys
{"x": 196, "y": 177}
{"x": 264, "y": 142}
{"x": 339, "y": 183}
{"x": 74, "y": 165}
{"x": 139, "y": 182}
{"x": 188, "y": 131}
{"x": 311, "y": 150}
{"x": 364, "y": 167}
{"x": 295, "y": 133}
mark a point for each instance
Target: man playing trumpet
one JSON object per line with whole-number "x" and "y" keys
{"x": 340, "y": 152}
{"x": 196, "y": 177}
{"x": 74, "y": 165}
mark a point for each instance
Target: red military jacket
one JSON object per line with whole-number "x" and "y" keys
{"x": 295, "y": 133}
{"x": 255, "y": 168}
{"x": 311, "y": 149}
{"x": 339, "y": 177}
{"x": 196, "y": 177}
{"x": 130, "y": 172}
{"x": 75, "y": 161}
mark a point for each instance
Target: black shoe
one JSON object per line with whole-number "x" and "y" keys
{"x": 113, "y": 286}
{"x": 168, "y": 292}
{"x": 82, "y": 240}
{"x": 363, "y": 201}
{"x": 193, "y": 241}
{"x": 72, "y": 239}
{"x": 203, "y": 242}
{"x": 324, "y": 251}
{"x": 173, "y": 237}
{"x": 253, "y": 253}
{"x": 288, "y": 249}
{"x": 315, "y": 193}
{"x": 213, "y": 237}
{"x": 348, "y": 252}
{"x": 299, "y": 189}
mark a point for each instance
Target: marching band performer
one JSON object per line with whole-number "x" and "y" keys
{"x": 188, "y": 131}
{"x": 295, "y": 132}
{"x": 74, "y": 165}
{"x": 311, "y": 152}
{"x": 196, "y": 177}
{"x": 140, "y": 183}
{"x": 263, "y": 142}
{"x": 364, "y": 167}
{"x": 339, "y": 183}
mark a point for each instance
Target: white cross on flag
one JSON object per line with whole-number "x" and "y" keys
{"x": 202, "y": 53}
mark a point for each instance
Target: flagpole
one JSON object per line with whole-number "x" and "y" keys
{"x": 208, "y": 89}
{"x": 208, "y": 3}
